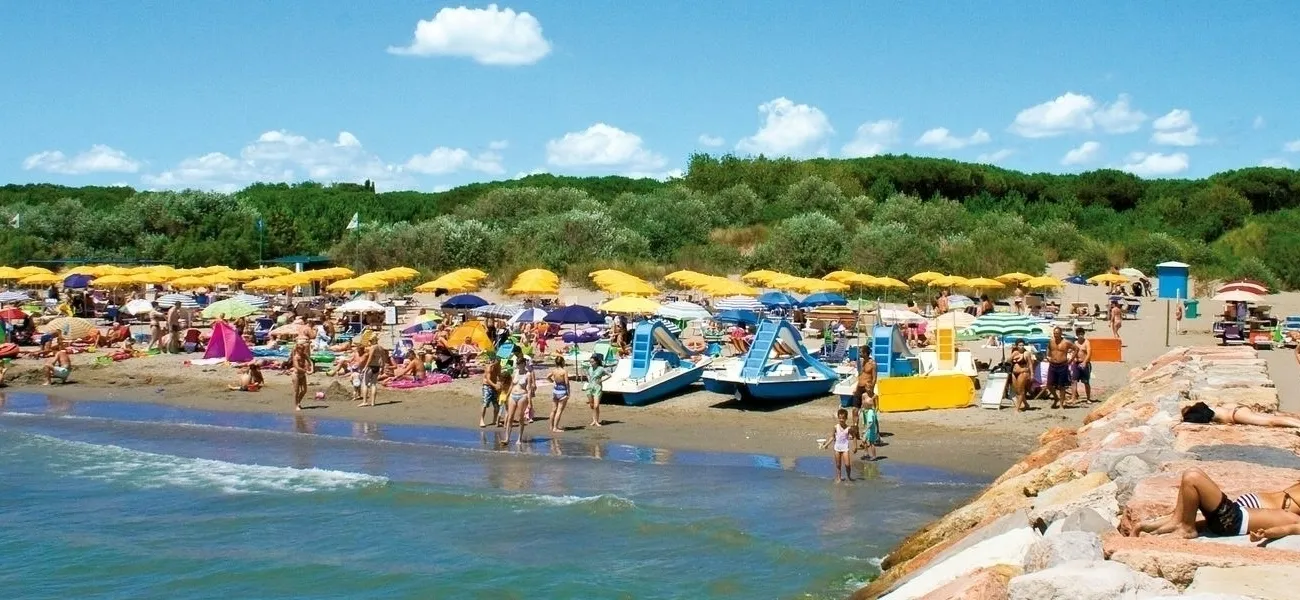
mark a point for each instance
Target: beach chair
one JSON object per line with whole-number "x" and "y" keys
{"x": 836, "y": 352}
{"x": 1087, "y": 323}
{"x": 1064, "y": 322}
{"x": 1232, "y": 335}
{"x": 1289, "y": 330}
{"x": 994, "y": 394}
{"x": 1131, "y": 311}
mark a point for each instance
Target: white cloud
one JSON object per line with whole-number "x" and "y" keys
{"x": 443, "y": 160}
{"x": 498, "y": 145}
{"x": 1155, "y": 164}
{"x": 1259, "y": 122}
{"x": 1071, "y": 112}
{"x": 489, "y": 36}
{"x": 992, "y": 158}
{"x": 1084, "y": 154}
{"x": 1176, "y": 129}
{"x": 1278, "y": 163}
{"x": 281, "y": 156}
{"x": 941, "y": 138}
{"x": 711, "y": 141}
{"x": 788, "y": 129}
{"x": 1292, "y": 146}
{"x": 872, "y": 138}
{"x": 603, "y": 145}
{"x": 98, "y": 159}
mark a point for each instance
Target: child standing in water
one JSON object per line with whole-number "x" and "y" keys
{"x": 871, "y": 428}
{"x": 841, "y": 438}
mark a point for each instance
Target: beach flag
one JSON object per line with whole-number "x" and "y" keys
{"x": 355, "y": 222}
{"x": 15, "y": 221}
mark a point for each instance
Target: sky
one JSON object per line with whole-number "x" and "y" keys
{"x": 427, "y": 96}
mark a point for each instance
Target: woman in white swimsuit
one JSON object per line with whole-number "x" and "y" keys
{"x": 522, "y": 387}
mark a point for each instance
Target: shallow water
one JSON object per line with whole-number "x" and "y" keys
{"x": 136, "y": 500}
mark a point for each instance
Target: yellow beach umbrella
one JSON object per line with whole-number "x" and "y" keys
{"x": 188, "y": 282}
{"x": 115, "y": 281}
{"x": 1043, "y": 283}
{"x": 30, "y": 270}
{"x": 537, "y": 275}
{"x": 683, "y": 276}
{"x": 631, "y": 305}
{"x": 533, "y": 288}
{"x": 946, "y": 281}
{"x": 924, "y": 277}
{"x": 471, "y": 273}
{"x": 984, "y": 283}
{"x": 726, "y": 287}
{"x": 40, "y": 279}
{"x": 630, "y": 288}
{"x": 1016, "y": 277}
{"x": 840, "y": 276}
{"x": 141, "y": 278}
{"x": 762, "y": 276}
{"x": 1108, "y": 278}
{"x": 273, "y": 271}
{"x": 889, "y": 283}
{"x": 10, "y": 273}
{"x": 812, "y": 286}
{"x": 217, "y": 279}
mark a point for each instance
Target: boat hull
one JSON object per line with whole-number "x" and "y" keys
{"x": 660, "y": 388}
{"x": 789, "y": 390}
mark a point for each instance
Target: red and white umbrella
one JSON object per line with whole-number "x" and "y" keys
{"x": 1243, "y": 285}
{"x": 1237, "y": 296}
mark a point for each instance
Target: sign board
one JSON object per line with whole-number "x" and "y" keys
{"x": 1173, "y": 280}
{"x": 390, "y": 315}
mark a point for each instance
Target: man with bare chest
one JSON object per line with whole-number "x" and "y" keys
{"x": 1059, "y": 350}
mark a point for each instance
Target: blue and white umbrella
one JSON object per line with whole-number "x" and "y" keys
{"x": 497, "y": 311}
{"x": 672, "y": 327}
{"x": 528, "y": 315}
{"x": 683, "y": 311}
{"x": 251, "y": 300}
{"x": 169, "y": 300}
{"x": 823, "y": 299}
{"x": 7, "y": 297}
{"x": 778, "y": 300}
{"x": 959, "y": 302}
{"x": 738, "y": 303}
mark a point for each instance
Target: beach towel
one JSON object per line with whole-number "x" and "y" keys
{"x": 227, "y": 344}
{"x": 406, "y": 384}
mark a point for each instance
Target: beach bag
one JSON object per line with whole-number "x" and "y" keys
{"x": 8, "y": 350}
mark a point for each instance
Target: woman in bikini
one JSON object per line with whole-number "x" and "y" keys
{"x": 1020, "y": 374}
{"x": 1267, "y": 515}
{"x": 1233, "y": 414}
{"x": 522, "y": 388}
{"x": 559, "y": 379}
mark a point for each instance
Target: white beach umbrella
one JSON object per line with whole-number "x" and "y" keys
{"x": 1237, "y": 296}
{"x": 1132, "y": 273}
{"x": 138, "y": 307}
{"x": 497, "y": 311}
{"x": 251, "y": 300}
{"x": 683, "y": 311}
{"x": 894, "y": 316}
{"x": 361, "y": 306}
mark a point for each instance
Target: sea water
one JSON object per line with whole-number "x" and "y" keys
{"x": 137, "y": 500}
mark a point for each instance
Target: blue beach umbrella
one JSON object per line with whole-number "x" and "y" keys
{"x": 1076, "y": 280}
{"x": 76, "y": 282}
{"x": 575, "y": 314}
{"x": 777, "y": 300}
{"x": 464, "y": 302}
{"x": 824, "y": 299}
{"x": 739, "y": 317}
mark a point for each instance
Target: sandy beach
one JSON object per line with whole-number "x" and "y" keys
{"x": 970, "y": 440}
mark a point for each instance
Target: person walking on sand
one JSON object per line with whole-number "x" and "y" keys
{"x": 559, "y": 379}
{"x": 300, "y": 365}
{"x": 58, "y": 366}
{"x": 840, "y": 442}
{"x": 596, "y": 375}
{"x": 522, "y": 386}
{"x": 1058, "y": 369}
{"x": 377, "y": 357}
{"x": 865, "y": 389}
{"x": 1116, "y": 319}
{"x": 491, "y": 393}
{"x": 174, "y": 329}
{"x": 1082, "y": 368}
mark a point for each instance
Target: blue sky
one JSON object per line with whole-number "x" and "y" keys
{"x": 423, "y": 95}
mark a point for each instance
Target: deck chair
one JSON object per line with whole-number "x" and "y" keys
{"x": 1232, "y": 335}
{"x": 994, "y": 394}
{"x": 1064, "y": 322}
{"x": 1131, "y": 312}
{"x": 836, "y": 353}
{"x": 1087, "y": 323}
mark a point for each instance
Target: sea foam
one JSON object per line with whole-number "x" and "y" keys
{"x": 148, "y": 470}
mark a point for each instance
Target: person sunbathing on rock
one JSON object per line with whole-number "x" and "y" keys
{"x": 1233, "y": 414}
{"x": 1266, "y": 515}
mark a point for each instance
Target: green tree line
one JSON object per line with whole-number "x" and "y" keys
{"x": 888, "y": 215}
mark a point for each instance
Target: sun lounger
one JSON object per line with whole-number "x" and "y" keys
{"x": 1232, "y": 335}
{"x": 1087, "y": 323}
{"x": 1132, "y": 311}
{"x": 994, "y": 394}
{"x": 1065, "y": 323}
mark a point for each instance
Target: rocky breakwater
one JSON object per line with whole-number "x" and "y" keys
{"x": 1047, "y": 528}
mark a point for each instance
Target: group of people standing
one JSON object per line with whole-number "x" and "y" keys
{"x": 509, "y": 390}
{"x": 1069, "y": 366}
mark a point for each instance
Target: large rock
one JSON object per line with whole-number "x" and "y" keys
{"x": 1262, "y": 399}
{"x": 1006, "y": 549}
{"x": 1130, "y": 466}
{"x": 989, "y": 583}
{"x": 1093, "y": 490}
{"x": 1087, "y": 580}
{"x": 1265, "y": 583}
{"x": 1154, "y": 496}
{"x": 1189, "y": 435}
{"x": 1177, "y": 559}
{"x": 1047, "y": 453}
{"x": 1056, "y": 550}
{"x": 1083, "y": 519}
{"x": 1281, "y": 458}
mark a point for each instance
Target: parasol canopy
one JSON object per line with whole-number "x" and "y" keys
{"x": 71, "y": 328}
{"x": 229, "y": 308}
{"x": 361, "y": 305}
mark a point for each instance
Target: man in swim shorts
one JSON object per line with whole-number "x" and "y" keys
{"x": 1081, "y": 371}
{"x": 60, "y": 365}
{"x": 491, "y": 393}
{"x": 1058, "y": 369}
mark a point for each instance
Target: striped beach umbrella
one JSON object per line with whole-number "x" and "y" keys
{"x": 1001, "y": 324}
{"x": 738, "y": 303}
{"x": 498, "y": 311}
{"x": 13, "y": 296}
{"x": 169, "y": 300}
{"x": 251, "y": 300}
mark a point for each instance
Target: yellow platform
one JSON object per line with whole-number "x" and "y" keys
{"x": 924, "y": 392}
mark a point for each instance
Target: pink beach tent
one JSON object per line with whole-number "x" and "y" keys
{"x": 227, "y": 344}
